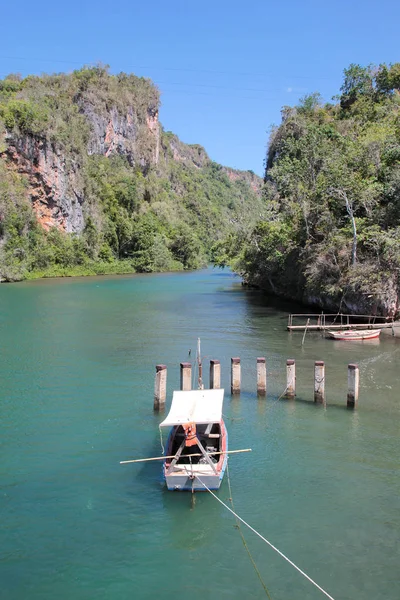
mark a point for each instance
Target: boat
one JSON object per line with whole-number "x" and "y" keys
{"x": 197, "y": 447}
{"x": 196, "y": 454}
{"x": 354, "y": 335}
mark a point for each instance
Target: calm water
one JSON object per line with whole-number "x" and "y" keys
{"x": 77, "y": 375}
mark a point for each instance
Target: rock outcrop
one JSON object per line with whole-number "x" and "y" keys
{"x": 129, "y": 128}
{"x": 85, "y": 153}
{"x": 55, "y": 187}
{"x": 113, "y": 132}
{"x": 251, "y": 178}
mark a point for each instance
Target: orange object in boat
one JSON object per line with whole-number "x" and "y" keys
{"x": 190, "y": 433}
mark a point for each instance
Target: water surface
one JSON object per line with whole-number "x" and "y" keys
{"x": 77, "y": 376}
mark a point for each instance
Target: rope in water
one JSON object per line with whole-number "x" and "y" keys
{"x": 266, "y": 541}
{"x": 243, "y": 538}
{"x": 161, "y": 440}
{"x": 277, "y": 400}
{"x": 238, "y": 521}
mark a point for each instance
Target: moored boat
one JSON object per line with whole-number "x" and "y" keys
{"x": 197, "y": 446}
{"x": 354, "y": 335}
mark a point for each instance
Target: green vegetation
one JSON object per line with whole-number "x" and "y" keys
{"x": 332, "y": 192}
{"x": 140, "y": 213}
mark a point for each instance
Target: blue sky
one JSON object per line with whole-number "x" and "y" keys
{"x": 225, "y": 68}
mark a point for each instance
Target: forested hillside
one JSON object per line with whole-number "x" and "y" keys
{"x": 91, "y": 183}
{"x": 332, "y": 189}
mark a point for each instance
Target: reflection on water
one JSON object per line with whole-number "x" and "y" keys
{"x": 340, "y": 343}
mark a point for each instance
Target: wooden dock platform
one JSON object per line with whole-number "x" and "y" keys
{"x": 338, "y": 321}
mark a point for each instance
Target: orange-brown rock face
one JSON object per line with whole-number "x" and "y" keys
{"x": 56, "y": 183}
{"x": 253, "y": 180}
{"x": 55, "y": 189}
{"x": 154, "y": 128}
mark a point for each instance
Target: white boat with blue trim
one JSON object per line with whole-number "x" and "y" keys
{"x": 197, "y": 446}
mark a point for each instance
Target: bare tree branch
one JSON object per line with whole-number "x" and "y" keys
{"x": 349, "y": 207}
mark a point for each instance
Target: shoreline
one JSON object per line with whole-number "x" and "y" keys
{"x": 316, "y": 304}
{"x": 84, "y": 271}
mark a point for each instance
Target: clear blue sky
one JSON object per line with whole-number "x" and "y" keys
{"x": 225, "y": 68}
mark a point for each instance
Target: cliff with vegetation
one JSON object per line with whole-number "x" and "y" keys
{"x": 332, "y": 192}
{"x": 90, "y": 183}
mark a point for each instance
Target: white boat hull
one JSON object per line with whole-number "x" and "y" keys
{"x": 354, "y": 335}
{"x": 183, "y": 481}
{"x": 190, "y": 476}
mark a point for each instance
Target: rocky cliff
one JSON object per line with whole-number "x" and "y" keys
{"x": 332, "y": 196}
{"x": 57, "y": 131}
{"x": 54, "y": 187}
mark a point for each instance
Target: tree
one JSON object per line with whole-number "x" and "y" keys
{"x": 388, "y": 78}
{"x": 358, "y": 81}
{"x": 341, "y": 193}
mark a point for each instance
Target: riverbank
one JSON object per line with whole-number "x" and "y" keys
{"x": 89, "y": 269}
{"x": 354, "y": 305}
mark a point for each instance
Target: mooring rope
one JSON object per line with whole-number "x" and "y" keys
{"x": 243, "y": 538}
{"x": 161, "y": 440}
{"x": 266, "y": 541}
{"x": 277, "y": 400}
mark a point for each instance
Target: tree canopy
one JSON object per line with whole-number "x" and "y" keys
{"x": 332, "y": 193}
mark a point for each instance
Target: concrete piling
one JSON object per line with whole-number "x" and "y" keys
{"x": 290, "y": 378}
{"x": 319, "y": 381}
{"x": 215, "y": 375}
{"x": 160, "y": 387}
{"x": 353, "y": 380}
{"x": 261, "y": 376}
{"x": 186, "y": 376}
{"x": 235, "y": 375}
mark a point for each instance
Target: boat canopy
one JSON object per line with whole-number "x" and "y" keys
{"x": 195, "y": 406}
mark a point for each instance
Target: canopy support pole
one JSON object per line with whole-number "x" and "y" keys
{"x": 177, "y": 457}
{"x": 208, "y": 459}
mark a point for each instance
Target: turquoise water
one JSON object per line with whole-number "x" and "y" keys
{"x": 77, "y": 376}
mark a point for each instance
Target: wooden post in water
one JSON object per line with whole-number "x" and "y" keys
{"x": 290, "y": 378}
{"x": 261, "y": 376}
{"x": 235, "y": 375}
{"x": 215, "y": 375}
{"x": 186, "y": 376}
{"x": 353, "y": 380}
{"x": 160, "y": 387}
{"x": 319, "y": 381}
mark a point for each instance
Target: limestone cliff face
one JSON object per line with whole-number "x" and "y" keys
{"x": 195, "y": 155}
{"x": 251, "y": 178}
{"x": 189, "y": 154}
{"x": 99, "y": 121}
{"x": 115, "y": 133}
{"x": 56, "y": 187}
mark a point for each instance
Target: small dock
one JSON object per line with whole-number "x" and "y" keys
{"x": 337, "y": 321}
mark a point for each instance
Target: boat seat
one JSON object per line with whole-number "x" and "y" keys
{"x": 214, "y": 435}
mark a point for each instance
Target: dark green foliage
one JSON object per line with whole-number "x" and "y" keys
{"x": 332, "y": 193}
{"x": 28, "y": 117}
{"x": 358, "y": 81}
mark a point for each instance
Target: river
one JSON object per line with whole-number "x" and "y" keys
{"x": 77, "y": 380}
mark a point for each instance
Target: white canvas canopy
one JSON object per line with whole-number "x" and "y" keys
{"x": 195, "y": 406}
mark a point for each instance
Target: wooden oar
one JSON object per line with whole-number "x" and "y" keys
{"x": 124, "y": 462}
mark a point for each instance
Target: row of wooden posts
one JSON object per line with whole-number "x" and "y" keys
{"x": 160, "y": 388}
